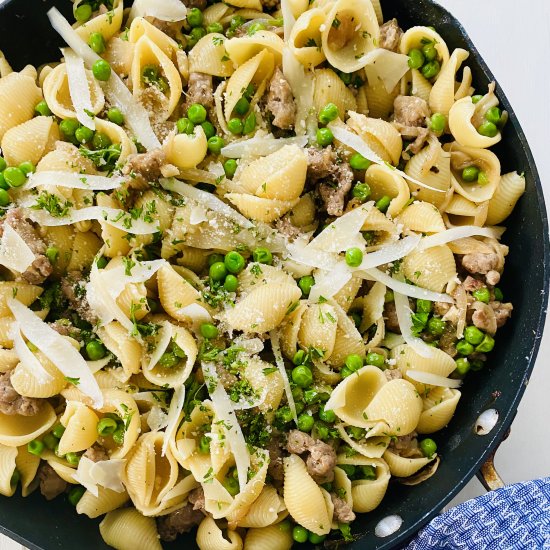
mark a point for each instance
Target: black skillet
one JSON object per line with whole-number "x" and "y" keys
{"x": 26, "y": 37}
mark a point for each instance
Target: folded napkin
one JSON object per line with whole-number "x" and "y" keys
{"x": 515, "y": 517}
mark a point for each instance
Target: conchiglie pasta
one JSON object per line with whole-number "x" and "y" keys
{"x": 117, "y": 340}
{"x": 117, "y": 135}
{"x": 348, "y": 340}
{"x": 260, "y": 209}
{"x": 420, "y": 86}
{"x": 265, "y": 511}
{"x": 432, "y": 268}
{"x": 17, "y": 430}
{"x": 461, "y": 211}
{"x": 175, "y": 293}
{"x": 85, "y": 247}
{"x": 318, "y": 328}
{"x": 415, "y": 38}
{"x": 385, "y": 182}
{"x": 438, "y": 408}
{"x": 329, "y": 88}
{"x": 442, "y": 96}
{"x": 105, "y": 23}
{"x": 7, "y": 467}
{"x": 127, "y": 529}
{"x": 141, "y": 27}
{"x": 421, "y": 217}
{"x": 209, "y": 56}
{"x": 270, "y": 385}
{"x": 379, "y": 103}
{"x": 273, "y": 537}
{"x": 24, "y": 383}
{"x": 405, "y": 467}
{"x": 106, "y": 501}
{"x": 211, "y": 537}
{"x": 186, "y": 150}
{"x": 25, "y": 292}
{"x": 507, "y": 194}
{"x": 243, "y": 48}
{"x": 305, "y": 38}
{"x": 80, "y": 424}
{"x": 27, "y": 465}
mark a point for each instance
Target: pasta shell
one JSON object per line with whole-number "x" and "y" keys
{"x": 348, "y": 339}
{"x": 373, "y": 306}
{"x": 127, "y": 529}
{"x": 265, "y": 510}
{"x": 432, "y": 268}
{"x": 442, "y": 95}
{"x": 385, "y": 182}
{"x": 65, "y": 158}
{"x": 8, "y": 358}
{"x": 17, "y": 430}
{"x": 246, "y": 47}
{"x": 210, "y": 536}
{"x": 24, "y": 292}
{"x": 27, "y": 465}
{"x": 263, "y": 210}
{"x": 80, "y": 424}
{"x": 249, "y": 4}
{"x": 305, "y": 38}
{"x": 439, "y": 408}
{"x": 108, "y": 24}
{"x": 507, "y": 194}
{"x": 289, "y": 330}
{"x": 118, "y": 341}
{"x": 405, "y": 467}
{"x": 461, "y": 211}
{"x": 7, "y": 467}
{"x": 373, "y": 445}
{"x": 329, "y": 88}
{"x": 175, "y": 293}
{"x": 270, "y": 385}
{"x": 318, "y": 328}
{"x": 415, "y": 36}
{"x": 24, "y": 383}
{"x": 116, "y": 243}
{"x": 209, "y": 56}
{"x": 141, "y": 27}
{"x": 420, "y": 86}
{"x": 186, "y": 150}
{"x": 85, "y": 247}
{"x": 117, "y": 135}
{"x": 106, "y": 501}
{"x": 421, "y": 217}
{"x": 379, "y": 101}
{"x": 214, "y": 13}
{"x": 268, "y": 538}
{"x": 345, "y": 296}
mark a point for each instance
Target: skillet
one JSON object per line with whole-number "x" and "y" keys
{"x": 27, "y": 37}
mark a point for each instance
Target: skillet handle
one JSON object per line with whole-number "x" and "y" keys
{"x": 487, "y": 474}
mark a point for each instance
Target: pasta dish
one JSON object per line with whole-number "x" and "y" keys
{"x": 249, "y": 252}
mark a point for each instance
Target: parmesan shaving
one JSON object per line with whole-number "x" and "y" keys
{"x": 388, "y": 66}
{"x": 167, "y": 10}
{"x": 161, "y": 344}
{"x": 462, "y": 232}
{"x": 197, "y": 315}
{"x": 157, "y": 419}
{"x": 288, "y": 19}
{"x": 276, "y": 348}
{"x": 260, "y": 146}
{"x": 78, "y": 88}
{"x": 224, "y": 411}
{"x": 300, "y": 252}
{"x": 355, "y": 142}
{"x": 74, "y": 181}
{"x": 96, "y": 366}
{"x": 107, "y": 473}
{"x": 405, "y": 324}
{"x": 331, "y": 282}
{"x": 15, "y": 253}
{"x": 27, "y": 358}
{"x": 390, "y": 253}
{"x": 433, "y": 379}
{"x": 58, "y": 350}
{"x": 135, "y": 115}
{"x": 174, "y": 412}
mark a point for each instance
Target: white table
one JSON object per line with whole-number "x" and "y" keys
{"x": 514, "y": 42}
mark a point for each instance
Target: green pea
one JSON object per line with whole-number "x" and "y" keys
{"x": 106, "y": 426}
{"x": 235, "y": 126}
{"x": 231, "y": 283}
{"x": 488, "y": 129}
{"x": 95, "y": 350}
{"x": 58, "y": 431}
{"x": 194, "y": 17}
{"x": 477, "y": 365}
{"x": 320, "y": 431}
{"x": 431, "y": 69}
{"x": 214, "y": 27}
{"x": 215, "y": 144}
{"x": 15, "y": 478}
{"x": 75, "y": 494}
{"x": 35, "y": 447}
{"x": 84, "y": 135}
{"x": 494, "y": 115}
{"x": 302, "y": 376}
{"x": 388, "y": 297}
{"x": 50, "y": 441}
{"x": 349, "y": 469}
{"x": 424, "y": 306}
{"x": 345, "y": 372}
{"x": 359, "y": 162}
{"x": 262, "y": 255}
{"x": 357, "y": 433}
{"x": 209, "y": 129}
{"x": 306, "y": 283}
{"x": 297, "y": 393}
{"x": 3, "y": 183}
{"x": 429, "y": 51}
{"x": 250, "y": 90}
{"x": 473, "y": 335}
{"x": 328, "y": 113}
{"x": 367, "y": 472}
{"x": 83, "y": 13}
{"x": 43, "y": 109}
{"x": 196, "y": 113}
{"x": 102, "y": 262}
{"x": 482, "y": 178}
{"x": 249, "y": 124}
{"x": 476, "y": 98}
{"x": 213, "y": 258}
{"x": 327, "y": 416}
{"x": 316, "y": 539}
{"x": 356, "y": 318}
{"x": 438, "y": 123}
{"x": 204, "y": 445}
{"x": 464, "y": 348}
{"x": 234, "y": 262}
{"x": 354, "y": 362}
{"x": 324, "y": 137}
{"x": 416, "y": 58}
{"x": 470, "y": 173}
{"x": 375, "y": 359}
{"x": 299, "y": 357}
{"x": 487, "y": 344}
{"x": 14, "y": 176}
{"x": 209, "y": 331}
{"x": 299, "y": 406}
{"x": 168, "y": 360}
{"x": 69, "y": 126}
{"x": 217, "y": 271}
{"x": 284, "y": 525}
{"x": 428, "y": 447}
{"x": 354, "y": 257}
{"x": 118, "y": 436}
{"x": 383, "y": 203}
{"x": 242, "y": 106}
{"x": 52, "y": 254}
{"x": 3, "y": 164}
{"x": 462, "y": 366}
{"x": 27, "y": 167}
{"x": 115, "y": 116}
{"x": 101, "y": 141}
{"x": 299, "y": 533}
{"x": 498, "y": 294}
{"x": 436, "y": 326}
{"x": 361, "y": 191}
{"x": 305, "y": 422}
{"x": 101, "y": 70}
{"x": 482, "y": 295}
{"x": 255, "y": 27}
{"x": 231, "y": 485}
{"x": 97, "y": 42}
{"x": 185, "y": 126}
{"x": 5, "y": 198}
{"x": 284, "y": 414}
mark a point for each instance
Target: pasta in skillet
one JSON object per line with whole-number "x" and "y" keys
{"x": 248, "y": 254}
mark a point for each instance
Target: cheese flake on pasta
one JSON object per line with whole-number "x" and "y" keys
{"x": 106, "y": 473}
{"x": 15, "y": 253}
{"x": 78, "y": 88}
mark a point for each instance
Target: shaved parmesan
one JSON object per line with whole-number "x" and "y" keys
{"x": 111, "y": 216}
{"x": 107, "y": 473}
{"x": 288, "y": 19}
{"x": 167, "y": 10}
{"x": 404, "y": 288}
{"x": 260, "y": 146}
{"x": 135, "y": 115}
{"x": 405, "y": 324}
{"x": 388, "y": 526}
{"x": 198, "y": 215}
{"x": 15, "y": 253}
{"x": 78, "y": 88}
{"x": 276, "y": 348}
{"x": 462, "y": 232}
{"x": 355, "y": 142}
{"x": 162, "y": 342}
{"x": 388, "y": 66}
{"x": 176, "y": 406}
{"x": 300, "y": 252}
{"x": 27, "y": 358}
{"x": 73, "y": 181}
{"x": 157, "y": 419}
{"x": 224, "y": 411}
{"x": 331, "y": 282}
{"x": 390, "y": 253}
{"x": 58, "y": 350}
{"x": 197, "y": 315}
{"x": 96, "y": 366}
{"x": 433, "y": 379}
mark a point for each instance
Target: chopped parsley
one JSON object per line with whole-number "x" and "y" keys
{"x": 53, "y": 204}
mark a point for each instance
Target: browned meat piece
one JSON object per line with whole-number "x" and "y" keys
{"x": 96, "y": 453}
{"x": 503, "y": 312}
{"x": 320, "y": 163}
{"x": 287, "y": 228}
{"x": 322, "y": 457}
{"x": 440, "y": 308}
{"x": 280, "y": 101}
{"x": 201, "y": 4}
{"x": 392, "y": 374}
{"x": 448, "y": 340}
{"x": 390, "y": 35}
{"x": 227, "y": 379}
{"x": 410, "y": 110}
{"x": 171, "y": 28}
{"x": 146, "y": 165}
{"x": 11, "y": 403}
{"x": 417, "y": 133}
{"x": 404, "y": 442}
{"x": 41, "y": 268}
{"x": 51, "y": 485}
{"x": 484, "y": 321}
{"x": 470, "y": 284}
{"x": 480, "y": 263}
{"x": 334, "y": 197}
{"x": 390, "y": 316}
{"x": 492, "y": 278}
{"x": 275, "y": 468}
{"x": 200, "y": 90}
{"x": 270, "y": 4}
{"x": 180, "y": 521}
{"x": 342, "y": 510}
{"x": 196, "y": 498}
{"x": 73, "y": 287}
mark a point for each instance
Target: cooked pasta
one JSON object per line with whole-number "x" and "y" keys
{"x": 248, "y": 254}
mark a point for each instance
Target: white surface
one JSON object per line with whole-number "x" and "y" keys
{"x": 514, "y": 43}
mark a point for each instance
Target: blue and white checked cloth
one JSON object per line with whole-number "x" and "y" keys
{"x": 516, "y": 517}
